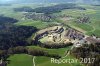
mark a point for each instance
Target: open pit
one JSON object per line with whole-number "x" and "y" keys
{"x": 57, "y": 35}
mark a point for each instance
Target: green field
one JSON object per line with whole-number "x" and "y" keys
{"x": 26, "y": 60}
{"x": 20, "y": 60}
{"x": 38, "y": 24}
{"x": 47, "y": 62}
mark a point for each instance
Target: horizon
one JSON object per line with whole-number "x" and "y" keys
{"x": 49, "y": 1}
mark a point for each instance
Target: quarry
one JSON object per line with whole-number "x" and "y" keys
{"x": 64, "y": 35}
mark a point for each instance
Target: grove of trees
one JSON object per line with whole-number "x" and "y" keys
{"x": 88, "y": 51}
{"x": 49, "y": 9}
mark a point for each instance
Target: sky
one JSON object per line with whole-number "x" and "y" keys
{"x": 49, "y": 1}
{"x": 5, "y": 1}
{"x": 23, "y": 1}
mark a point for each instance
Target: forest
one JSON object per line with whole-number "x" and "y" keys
{"x": 49, "y": 9}
{"x": 9, "y": 37}
{"x": 4, "y": 19}
{"x": 9, "y": 33}
{"x": 88, "y": 51}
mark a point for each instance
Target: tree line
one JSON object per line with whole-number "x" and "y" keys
{"x": 4, "y": 54}
{"x": 50, "y": 45}
{"x": 49, "y": 9}
{"x": 12, "y": 36}
{"x": 4, "y": 19}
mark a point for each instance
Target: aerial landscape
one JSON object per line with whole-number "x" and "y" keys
{"x": 49, "y": 32}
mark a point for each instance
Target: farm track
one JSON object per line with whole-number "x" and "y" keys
{"x": 68, "y": 52}
{"x": 34, "y": 61}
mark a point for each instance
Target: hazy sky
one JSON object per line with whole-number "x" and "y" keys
{"x": 47, "y": 1}
{"x": 5, "y": 1}
{"x": 15, "y": 1}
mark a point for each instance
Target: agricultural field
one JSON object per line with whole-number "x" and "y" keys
{"x": 88, "y": 28}
{"x": 22, "y": 59}
{"x": 40, "y": 62}
{"x": 38, "y": 24}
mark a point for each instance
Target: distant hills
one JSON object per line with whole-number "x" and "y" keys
{"x": 51, "y": 1}
{"x": 88, "y": 1}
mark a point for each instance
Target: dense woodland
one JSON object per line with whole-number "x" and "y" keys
{"x": 4, "y": 19}
{"x": 88, "y": 51}
{"x": 57, "y": 8}
{"x": 49, "y": 9}
{"x": 15, "y": 36}
{"x": 55, "y": 46}
{"x": 12, "y": 35}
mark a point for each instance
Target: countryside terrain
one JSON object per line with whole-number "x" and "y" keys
{"x": 33, "y": 33}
